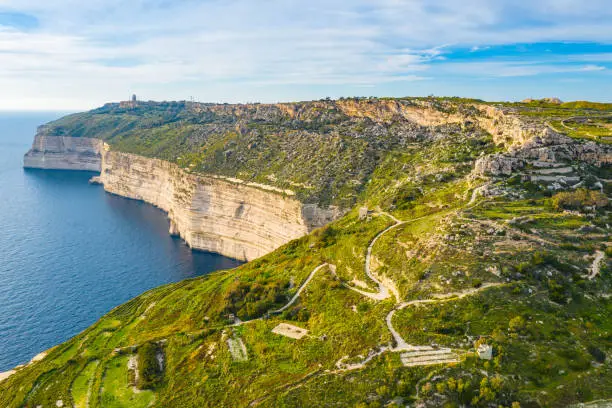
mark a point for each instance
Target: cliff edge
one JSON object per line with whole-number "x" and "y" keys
{"x": 210, "y": 213}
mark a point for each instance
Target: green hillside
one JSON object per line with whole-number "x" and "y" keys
{"x": 396, "y": 301}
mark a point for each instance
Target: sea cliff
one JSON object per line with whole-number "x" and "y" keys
{"x": 210, "y": 213}
{"x": 64, "y": 153}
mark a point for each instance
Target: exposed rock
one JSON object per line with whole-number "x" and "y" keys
{"x": 498, "y": 165}
{"x": 213, "y": 214}
{"x": 485, "y": 352}
{"x": 520, "y": 220}
{"x": 545, "y": 148}
{"x": 363, "y": 213}
{"x": 555, "y": 100}
{"x": 224, "y": 216}
{"x": 64, "y": 153}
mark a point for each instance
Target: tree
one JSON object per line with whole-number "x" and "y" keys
{"x": 516, "y": 324}
{"x": 149, "y": 370}
{"x": 451, "y": 384}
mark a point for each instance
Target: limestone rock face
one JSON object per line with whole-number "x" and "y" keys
{"x": 64, "y": 153}
{"x": 210, "y": 213}
{"x": 497, "y": 165}
{"x": 544, "y": 146}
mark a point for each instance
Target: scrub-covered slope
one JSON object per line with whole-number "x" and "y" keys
{"x": 474, "y": 269}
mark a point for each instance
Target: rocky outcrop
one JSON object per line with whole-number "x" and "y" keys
{"x": 506, "y": 128}
{"x": 497, "y": 165}
{"x": 64, "y": 153}
{"x": 210, "y": 213}
{"x": 546, "y": 148}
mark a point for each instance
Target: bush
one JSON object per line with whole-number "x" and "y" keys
{"x": 579, "y": 199}
{"x": 597, "y": 354}
{"x": 517, "y": 324}
{"x": 149, "y": 371}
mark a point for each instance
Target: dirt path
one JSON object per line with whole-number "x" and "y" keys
{"x": 596, "y": 265}
{"x": 342, "y": 366}
{"x": 401, "y": 344}
{"x": 297, "y": 294}
{"x": 295, "y": 297}
{"x": 554, "y": 129}
{"x": 383, "y": 291}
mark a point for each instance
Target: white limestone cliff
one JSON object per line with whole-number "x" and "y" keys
{"x": 64, "y": 153}
{"x": 210, "y": 213}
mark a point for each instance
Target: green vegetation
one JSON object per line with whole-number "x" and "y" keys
{"x": 579, "y": 199}
{"x": 512, "y": 269}
{"x": 150, "y": 372}
{"x": 81, "y": 387}
{"x": 116, "y": 390}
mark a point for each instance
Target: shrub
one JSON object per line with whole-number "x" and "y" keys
{"x": 579, "y": 199}
{"x": 597, "y": 354}
{"x": 516, "y": 324}
{"x": 149, "y": 370}
{"x": 405, "y": 196}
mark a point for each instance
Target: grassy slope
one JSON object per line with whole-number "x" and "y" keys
{"x": 321, "y": 152}
{"x": 548, "y": 324}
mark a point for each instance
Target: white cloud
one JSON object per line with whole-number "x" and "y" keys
{"x": 514, "y": 69}
{"x": 87, "y": 52}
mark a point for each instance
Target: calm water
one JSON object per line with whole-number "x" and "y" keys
{"x": 69, "y": 252}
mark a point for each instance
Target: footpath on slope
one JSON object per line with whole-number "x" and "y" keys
{"x": 413, "y": 355}
{"x": 596, "y": 266}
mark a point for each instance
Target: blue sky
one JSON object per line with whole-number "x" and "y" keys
{"x": 75, "y": 54}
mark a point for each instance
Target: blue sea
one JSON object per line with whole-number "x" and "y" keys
{"x": 69, "y": 252}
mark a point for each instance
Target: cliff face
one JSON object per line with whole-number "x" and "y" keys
{"x": 64, "y": 153}
{"x": 506, "y": 129}
{"x": 214, "y": 214}
{"x": 209, "y": 213}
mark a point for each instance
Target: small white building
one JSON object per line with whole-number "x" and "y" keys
{"x": 485, "y": 352}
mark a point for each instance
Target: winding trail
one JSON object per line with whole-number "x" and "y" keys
{"x": 383, "y": 291}
{"x": 295, "y": 297}
{"x": 297, "y": 294}
{"x": 413, "y": 355}
{"x": 402, "y": 345}
{"x": 596, "y": 265}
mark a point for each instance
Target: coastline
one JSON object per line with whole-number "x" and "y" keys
{"x": 222, "y": 215}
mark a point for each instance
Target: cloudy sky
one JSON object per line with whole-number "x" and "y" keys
{"x": 78, "y": 54}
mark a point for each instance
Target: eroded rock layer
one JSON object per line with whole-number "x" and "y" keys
{"x": 214, "y": 214}
{"x": 64, "y": 153}
{"x": 209, "y": 213}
